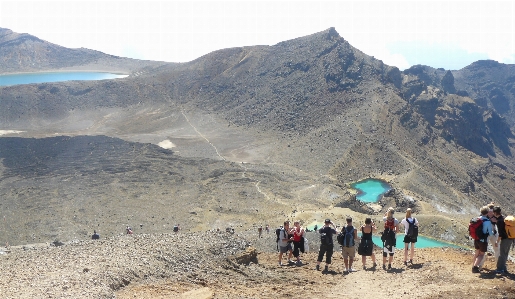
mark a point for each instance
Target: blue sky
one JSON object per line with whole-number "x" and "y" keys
{"x": 441, "y": 34}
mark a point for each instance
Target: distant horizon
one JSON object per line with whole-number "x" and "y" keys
{"x": 449, "y": 35}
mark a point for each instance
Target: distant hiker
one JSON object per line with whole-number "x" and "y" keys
{"x": 128, "y": 230}
{"x": 315, "y": 227}
{"x": 95, "y": 236}
{"x": 481, "y": 238}
{"x": 285, "y": 243}
{"x": 391, "y": 227}
{"x": 503, "y": 243}
{"x": 410, "y": 236}
{"x": 347, "y": 239}
{"x": 260, "y": 230}
{"x": 326, "y": 244}
{"x": 366, "y": 246}
{"x": 298, "y": 241}
{"x": 493, "y": 238}
{"x": 267, "y": 228}
{"x": 176, "y": 228}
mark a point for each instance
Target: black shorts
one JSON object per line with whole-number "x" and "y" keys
{"x": 482, "y": 246}
{"x": 408, "y": 239}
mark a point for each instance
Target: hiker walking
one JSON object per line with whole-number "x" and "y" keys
{"x": 480, "y": 244}
{"x": 348, "y": 235}
{"x": 503, "y": 243}
{"x": 267, "y": 228}
{"x": 260, "y": 231}
{"x": 391, "y": 227}
{"x": 285, "y": 242}
{"x": 95, "y": 235}
{"x": 410, "y": 236}
{"x": 366, "y": 246}
{"x": 298, "y": 241}
{"x": 326, "y": 244}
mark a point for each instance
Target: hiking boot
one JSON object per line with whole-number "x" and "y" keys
{"x": 384, "y": 267}
{"x": 351, "y": 270}
{"x": 326, "y": 269}
{"x": 290, "y": 262}
{"x": 280, "y": 264}
{"x": 405, "y": 263}
{"x": 374, "y": 265}
{"x": 317, "y": 268}
{"x": 364, "y": 267}
{"x": 411, "y": 262}
{"x": 298, "y": 263}
{"x": 389, "y": 266}
{"x": 475, "y": 269}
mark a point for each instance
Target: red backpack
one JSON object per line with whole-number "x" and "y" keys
{"x": 389, "y": 224}
{"x": 476, "y": 229}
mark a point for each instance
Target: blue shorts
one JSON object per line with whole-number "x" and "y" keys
{"x": 285, "y": 248}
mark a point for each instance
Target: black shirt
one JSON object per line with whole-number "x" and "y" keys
{"x": 501, "y": 228}
{"x": 329, "y": 231}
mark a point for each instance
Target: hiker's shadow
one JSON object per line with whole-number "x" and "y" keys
{"x": 493, "y": 275}
{"x": 396, "y": 270}
{"x": 330, "y": 272}
{"x": 416, "y": 266}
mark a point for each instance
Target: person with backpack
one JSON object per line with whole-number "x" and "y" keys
{"x": 503, "y": 243}
{"x": 285, "y": 242}
{"x": 298, "y": 241}
{"x": 493, "y": 238}
{"x": 481, "y": 238}
{"x": 347, "y": 238}
{"x": 326, "y": 244}
{"x": 410, "y": 236}
{"x": 391, "y": 227}
{"x": 366, "y": 246}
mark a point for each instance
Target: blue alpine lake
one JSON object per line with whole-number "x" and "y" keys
{"x": 27, "y": 78}
{"x": 370, "y": 190}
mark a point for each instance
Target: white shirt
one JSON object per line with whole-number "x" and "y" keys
{"x": 406, "y": 224}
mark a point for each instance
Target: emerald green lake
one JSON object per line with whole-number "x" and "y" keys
{"x": 27, "y": 78}
{"x": 370, "y": 190}
{"x": 422, "y": 242}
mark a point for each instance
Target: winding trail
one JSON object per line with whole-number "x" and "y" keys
{"x": 200, "y": 134}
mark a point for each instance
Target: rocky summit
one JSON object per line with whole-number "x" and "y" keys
{"x": 238, "y": 138}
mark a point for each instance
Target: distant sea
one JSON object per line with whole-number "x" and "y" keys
{"x": 27, "y": 78}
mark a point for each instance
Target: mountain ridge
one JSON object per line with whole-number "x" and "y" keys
{"x": 308, "y": 116}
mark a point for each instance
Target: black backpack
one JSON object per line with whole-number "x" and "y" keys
{"x": 412, "y": 228}
{"x": 278, "y": 233}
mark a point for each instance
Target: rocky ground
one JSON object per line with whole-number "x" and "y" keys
{"x": 215, "y": 264}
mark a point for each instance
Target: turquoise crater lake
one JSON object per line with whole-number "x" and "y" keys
{"x": 28, "y": 78}
{"x": 370, "y": 190}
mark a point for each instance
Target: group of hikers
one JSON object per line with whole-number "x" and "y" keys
{"x": 490, "y": 227}
{"x": 292, "y": 240}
